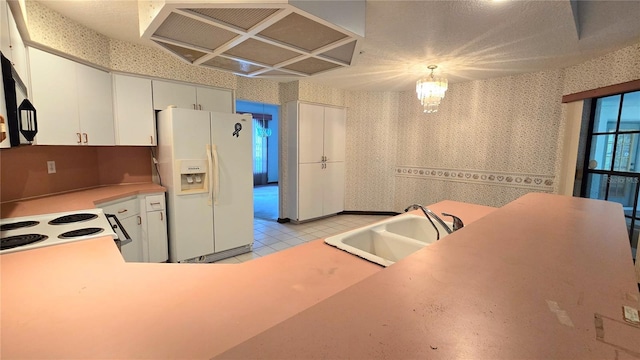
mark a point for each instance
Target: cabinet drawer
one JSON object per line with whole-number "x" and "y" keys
{"x": 154, "y": 202}
{"x": 122, "y": 209}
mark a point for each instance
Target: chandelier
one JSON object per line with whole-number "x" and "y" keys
{"x": 431, "y": 91}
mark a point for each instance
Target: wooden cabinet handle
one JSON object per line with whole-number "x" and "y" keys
{"x": 161, "y": 216}
{"x": 122, "y": 211}
{"x": 86, "y": 138}
{"x": 155, "y": 203}
{"x": 79, "y": 138}
{"x": 200, "y": 106}
{"x": 139, "y": 220}
{"x": 194, "y": 107}
{"x": 151, "y": 138}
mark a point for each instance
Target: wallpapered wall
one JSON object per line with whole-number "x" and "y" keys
{"x": 496, "y": 134}
{"x": 490, "y": 142}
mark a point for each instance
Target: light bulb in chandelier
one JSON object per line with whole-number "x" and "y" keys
{"x": 431, "y": 90}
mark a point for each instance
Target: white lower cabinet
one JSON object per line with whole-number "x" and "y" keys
{"x": 154, "y": 228}
{"x": 320, "y": 189}
{"x": 132, "y": 252}
{"x": 144, "y": 219}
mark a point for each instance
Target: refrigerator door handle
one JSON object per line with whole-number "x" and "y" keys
{"x": 216, "y": 174}
{"x": 210, "y": 174}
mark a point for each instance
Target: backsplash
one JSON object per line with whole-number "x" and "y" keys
{"x": 24, "y": 169}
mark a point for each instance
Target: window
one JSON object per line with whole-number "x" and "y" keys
{"x": 612, "y": 171}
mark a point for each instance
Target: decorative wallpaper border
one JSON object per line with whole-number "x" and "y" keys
{"x": 510, "y": 179}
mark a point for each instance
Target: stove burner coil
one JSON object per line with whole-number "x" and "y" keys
{"x": 18, "y": 225}
{"x": 80, "y": 232}
{"x": 20, "y": 240}
{"x": 72, "y": 218}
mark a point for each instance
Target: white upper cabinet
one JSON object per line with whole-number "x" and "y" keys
{"x": 189, "y": 96}
{"x": 321, "y": 133}
{"x": 218, "y": 100}
{"x": 168, "y": 93}
{"x": 11, "y": 42}
{"x": 133, "y": 106}
{"x": 4, "y": 29}
{"x": 95, "y": 106}
{"x": 54, "y": 94}
{"x": 74, "y": 101}
{"x": 311, "y": 128}
{"x": 334, "y": 133}
{"x": 18, "y": 50}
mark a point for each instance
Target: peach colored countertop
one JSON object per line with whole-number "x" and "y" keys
{"x": 543, "y": 277}
{"x": 75, "y": 200}
{"x": 81, "y": 300}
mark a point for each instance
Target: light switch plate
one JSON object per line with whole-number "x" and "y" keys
{"x": 631, "y": 315}
{"x": 51, "y": 167}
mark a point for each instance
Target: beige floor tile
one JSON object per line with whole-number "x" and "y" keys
{"x": 294, "y": 241}
{"x": 263, "y": 251}
{"x": 247, "y": 256}
{"x": 231, "y": 260}
{"x": 269, "y": 240}
{"x": 280, "y": 246}
{"x": 257, "y": 244}
{"x": 308, "y": 237}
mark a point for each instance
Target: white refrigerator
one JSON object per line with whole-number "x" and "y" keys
{"x": 205, "y": 161}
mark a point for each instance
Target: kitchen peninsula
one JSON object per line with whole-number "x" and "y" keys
{"x": 524, "y": 281}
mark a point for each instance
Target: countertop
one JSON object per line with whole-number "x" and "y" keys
{"x": 75, "y": 200}
{"x": 502, "y": 287}
{"x": 543, "y": 277}
{"x": 81, "y": 300}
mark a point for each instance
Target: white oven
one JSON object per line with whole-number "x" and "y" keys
{"x": 30, "y": 232}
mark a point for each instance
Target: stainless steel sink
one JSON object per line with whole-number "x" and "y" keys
{"x": 388, "y": 241}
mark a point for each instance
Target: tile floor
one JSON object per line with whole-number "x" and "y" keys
{"x": 271, "y": 237}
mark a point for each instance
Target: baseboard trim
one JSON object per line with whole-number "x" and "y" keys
{"x": 282, "y": 221}
{"x": 382, "y": 213}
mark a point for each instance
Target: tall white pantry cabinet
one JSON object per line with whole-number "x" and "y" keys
{"x": 316, "y": 148}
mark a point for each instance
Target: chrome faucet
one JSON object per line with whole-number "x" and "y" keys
{"x": 457, "y": 223}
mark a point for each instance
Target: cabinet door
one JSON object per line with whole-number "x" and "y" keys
{"x": 333, "y": 196}
{"x": 334, "y": 133}
{"x": 95, "y": 106}
{"x": 5, "y": 43}
{"x": 18, "y": 51}
{"x": 134, "y": 115}
{"x": 310, "y": 129}
{"x": 54, "y": 94}
{"x": 215, "y": 100}
{"x": 168, "y": 93}
{"x": 310, "y": 191}
{"x": 157, "y": 236}
{"x": 133, "y": 251}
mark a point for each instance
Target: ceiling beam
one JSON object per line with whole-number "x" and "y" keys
{"x": 575, "y": 10}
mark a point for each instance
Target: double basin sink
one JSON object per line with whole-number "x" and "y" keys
{"x": 390, "y": 240}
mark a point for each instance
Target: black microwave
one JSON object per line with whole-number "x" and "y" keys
{"x": 20, "y": 124}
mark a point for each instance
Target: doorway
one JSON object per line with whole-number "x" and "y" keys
{"x": 611, "y": 167}
{"x": 265, "y": 157}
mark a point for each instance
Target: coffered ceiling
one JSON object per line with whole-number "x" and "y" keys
{"x": 468, "y": 40}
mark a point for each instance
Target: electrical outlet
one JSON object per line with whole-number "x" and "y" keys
{"x": 51, "y": 167}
